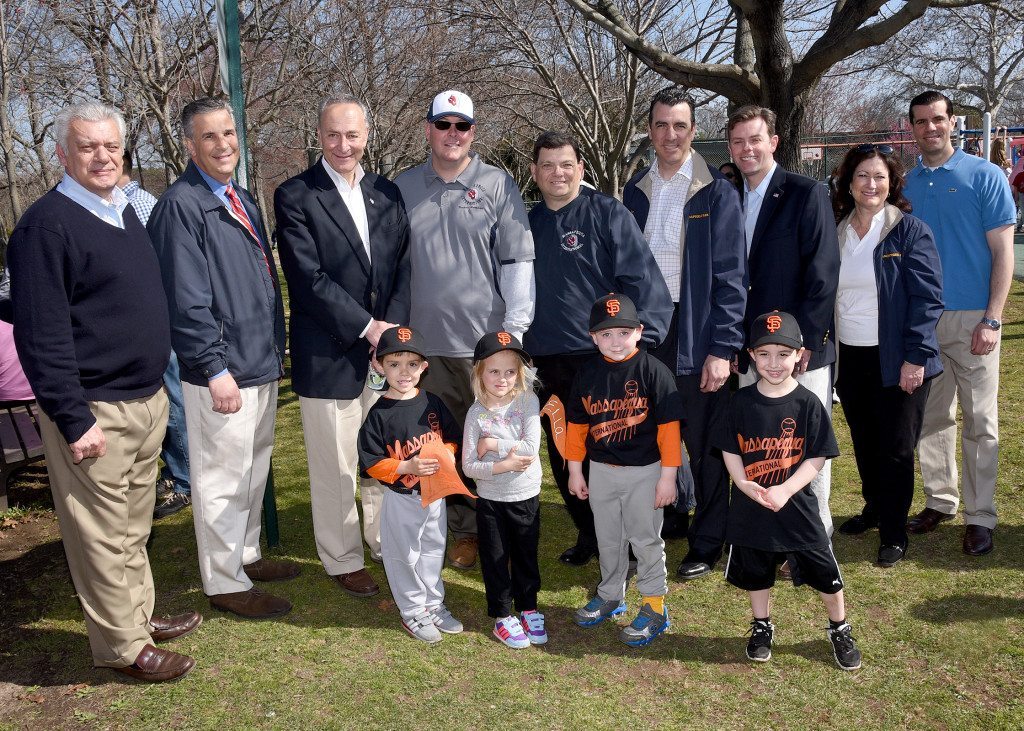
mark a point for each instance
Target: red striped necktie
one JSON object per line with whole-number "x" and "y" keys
{"x": 239, "y": 213}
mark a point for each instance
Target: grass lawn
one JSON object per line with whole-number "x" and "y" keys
{"x": 942, "y": 634}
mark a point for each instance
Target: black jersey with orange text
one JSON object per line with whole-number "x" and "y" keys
{"x": 773, "y": 436}
{"x": 623, "y": 403}
{"x": 397, "y": 429}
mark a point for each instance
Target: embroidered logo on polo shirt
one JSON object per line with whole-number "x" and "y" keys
{"x": 472, "y": 198}
{"x": 573, "y": 240}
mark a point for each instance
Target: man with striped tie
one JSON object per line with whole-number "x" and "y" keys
{"x": 227, "y": 328}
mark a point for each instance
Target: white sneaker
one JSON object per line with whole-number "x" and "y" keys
{"x": 422, "y": 628}
{"x": 444, "y": 620}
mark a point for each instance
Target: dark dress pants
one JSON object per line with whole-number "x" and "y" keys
{"x": 885, "y": 426}
{"x": 556, "y": 374}
{"x": 704, "y": 413}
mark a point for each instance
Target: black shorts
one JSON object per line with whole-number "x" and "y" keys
{"x": 753, "y": 569}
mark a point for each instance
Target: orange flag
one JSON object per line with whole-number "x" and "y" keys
{"x": 446, "y": 481}
{"x": 556, "y": 415}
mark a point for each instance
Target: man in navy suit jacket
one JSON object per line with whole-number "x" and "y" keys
{"x": 792, "y": 258}
{"x": 344, "y": 240}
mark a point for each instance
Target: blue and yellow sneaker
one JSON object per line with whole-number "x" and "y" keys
{"x": 647, "y": 625}
{"x": 598, "y": 610}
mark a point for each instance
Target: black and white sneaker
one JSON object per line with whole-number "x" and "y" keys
{"x": 759, "y": 648}
{"x": 174, "y": 503}
{"x": 844, "y": 647}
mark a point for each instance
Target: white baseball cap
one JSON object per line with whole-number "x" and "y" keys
{"x": 451, "y": 102}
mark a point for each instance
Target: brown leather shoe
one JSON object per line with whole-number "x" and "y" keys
{"x": 158, "y": 666}
{"x": 358, "y": 583}
{"x": 252, "y": 604}
{"x": 927, "y": 520}
{"x": 978, "y": 540}
{"x": 268, "y": 570}
{"x": 168, "y": 628}
{"x": 463, "y": 554}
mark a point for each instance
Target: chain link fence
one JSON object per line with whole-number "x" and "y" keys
{"x": 822, "y": 154}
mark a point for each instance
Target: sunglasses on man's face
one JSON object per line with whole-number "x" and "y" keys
{"x": 882, "y": 149}
{"x": 443, "y": 126}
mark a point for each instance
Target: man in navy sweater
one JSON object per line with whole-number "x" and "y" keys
{"x": 94, "y": 344}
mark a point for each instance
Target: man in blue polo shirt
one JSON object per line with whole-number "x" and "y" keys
{"x": 966, "y": 202}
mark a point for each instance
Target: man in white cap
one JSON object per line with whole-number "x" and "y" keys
{"x": 472, "y": 268}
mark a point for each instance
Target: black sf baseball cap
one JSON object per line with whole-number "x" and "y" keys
{"x": 613, "y": 310}
{"x": 495, "y": 342}
{"x": 776, "y": 328}
{"x": 400, "y": 340}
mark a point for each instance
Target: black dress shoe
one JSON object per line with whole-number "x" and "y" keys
{"x": 693, "y": 570}
{"x": 889, "y": 556}
{"x": 577, "y": 555}
{"x": 858, "y": 524}
{"x": 978, "y": 540}
{"x": 927, "y": 520}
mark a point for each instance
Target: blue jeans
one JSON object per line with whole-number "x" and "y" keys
{"x": 175, "y": 447}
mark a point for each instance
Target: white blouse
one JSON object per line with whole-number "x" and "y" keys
{"x": 857, "y": 303}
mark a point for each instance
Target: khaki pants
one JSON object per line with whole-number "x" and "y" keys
{"x": 973, "y": 381}
{"x": 330, "y": 429}
{"x": 229, "y": 461}
{"x": 105, "y": 509}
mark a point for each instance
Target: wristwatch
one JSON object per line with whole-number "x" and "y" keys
{"x": 994, "y": 324}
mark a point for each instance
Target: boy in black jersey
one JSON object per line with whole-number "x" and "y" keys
{"x": 411, "y": 536}
{"x": 624, "y": 413}
{"x": 776, "y": 438}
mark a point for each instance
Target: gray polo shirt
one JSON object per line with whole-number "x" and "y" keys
{"x": 461, "y": 234}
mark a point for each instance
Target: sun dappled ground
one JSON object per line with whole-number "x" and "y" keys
{"x": 941, "y": 633}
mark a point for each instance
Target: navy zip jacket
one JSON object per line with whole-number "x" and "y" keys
{"x": 713, "y": 289}
{"x": 586, "y": 249}
{"x": 909, "y": 278}
{"x": 221, "y": 285}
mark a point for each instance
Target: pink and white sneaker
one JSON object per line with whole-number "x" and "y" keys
{"x": 510, "y": 631}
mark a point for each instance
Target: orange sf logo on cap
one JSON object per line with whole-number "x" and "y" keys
{"x": 613, "y": 307}
{"x": 404, "y": 334}
{"x": 773, "y": 323}
{"x": 504, "y": 338}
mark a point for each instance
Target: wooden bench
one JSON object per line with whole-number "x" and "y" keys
{"x": 20, "y": 442}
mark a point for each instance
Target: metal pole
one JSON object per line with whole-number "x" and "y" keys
{"x": 986, "y": 143}
{"x": 229, "y": 45}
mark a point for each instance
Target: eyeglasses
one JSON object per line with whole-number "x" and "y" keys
{"x": 868, "y": 147}
{"x": 443, "y": 126}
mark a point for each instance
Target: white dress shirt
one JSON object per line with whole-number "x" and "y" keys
{"x": 109, "y": 211}
{"x": 665, "y": 221}
{"x": 352, "y": 197}
{"x": 752, "y": 200}
{"x": 857, "y": 301}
